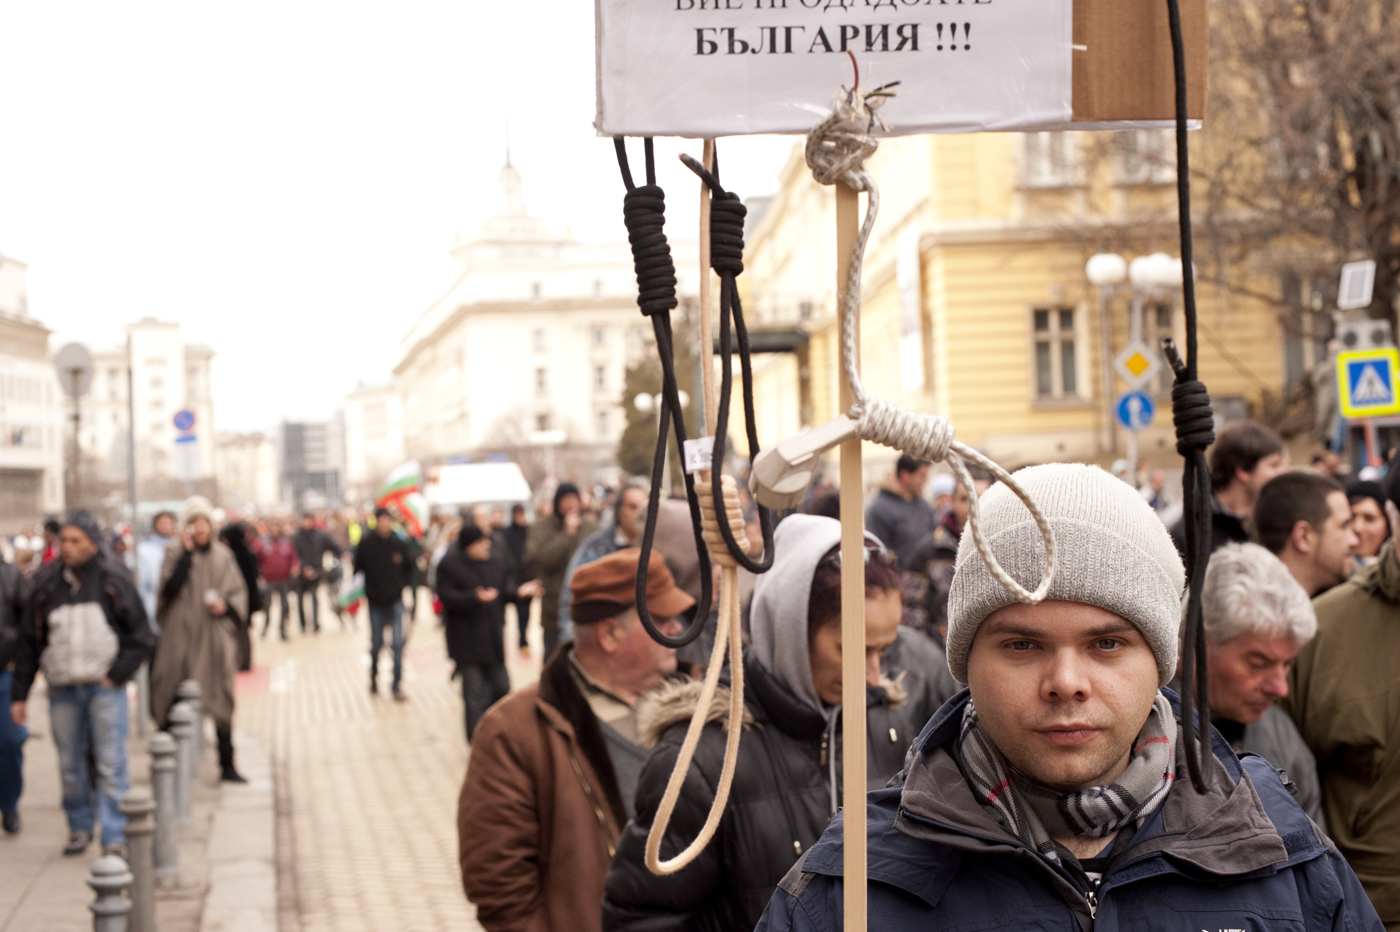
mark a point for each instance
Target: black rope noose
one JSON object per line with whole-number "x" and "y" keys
{"x": 1195, "y": 431}
{"x": 727, "y": 214}
{"x": 644, "y": 213}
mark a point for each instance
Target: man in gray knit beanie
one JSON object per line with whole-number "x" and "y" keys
{"x": 1050, "y": 793}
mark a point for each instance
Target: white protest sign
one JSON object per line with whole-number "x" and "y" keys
{"x": 732, "y": 67}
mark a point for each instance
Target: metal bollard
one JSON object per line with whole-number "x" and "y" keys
{"x": 190, "y": 691}
{"x": 143, "y": 699}
{"x": 181, "y": 719}
{"x": 163, "y": 779}
{"x": 108, "y": 878}
{"x": 140, "y": 829}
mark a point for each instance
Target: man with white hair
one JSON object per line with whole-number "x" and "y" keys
{"x": 1257, "y": 618}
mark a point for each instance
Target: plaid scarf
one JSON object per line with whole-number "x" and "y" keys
{"x": 1035, "y": 814}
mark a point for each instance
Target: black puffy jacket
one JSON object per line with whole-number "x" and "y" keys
{"x": 779, "y": 805}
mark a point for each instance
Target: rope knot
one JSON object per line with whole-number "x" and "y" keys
{"x": 1193, "y": 416}
{"x": 734, "y": 516}
{"x": 838, "y": 146}
{"x": 644, "y": 213}
{"x": 727, "y": 215}
{"x": 923, "y": 436}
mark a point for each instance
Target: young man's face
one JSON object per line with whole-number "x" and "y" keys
{"x": 75, "y": 548}
{"x": 165, "y": 526}
{"x": 630, "y": 507}
{"x": 913, "y": 482}
{"x": 1336, "y": 541}
{"x": 480, "y": 549}
{"x": 1062, "y": 689}
{"x": 1248, "y": 673}
{"x": 1275, "y": 464}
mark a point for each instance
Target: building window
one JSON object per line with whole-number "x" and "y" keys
{"x": 602, "y": 425}
{"x": 1306, "y": 326}
{"x": 1145, "y": 156}
{"x": 536, "y": 291}
{"x": 1056, "y": 363}
{"x": 638, "y": 336}
{"x": 157, "y": 384}
{"x": 541, "y": 422}
{"x": 541, "y": 380}
{"x": 600, "y": 378}
{"x": 597, "y": 287}
{"x": 537, "y": 340}
{"x": 1052, "y": 160}
{"x": 600, "y": 336}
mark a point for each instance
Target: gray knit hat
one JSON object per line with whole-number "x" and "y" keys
{"x": 1113, "y": 552}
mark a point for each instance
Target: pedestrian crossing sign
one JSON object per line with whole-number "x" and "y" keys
{"x": 1367, "y": 381}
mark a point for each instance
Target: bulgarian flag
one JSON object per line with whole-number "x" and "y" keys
{"x": 403, "y": 491}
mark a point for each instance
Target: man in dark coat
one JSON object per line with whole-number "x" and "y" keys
{"x": 1246, "y": 455}
{"x": 13, "y": 590}
{"x": 383, "y": 558}
{"x": 514, "y": 536}
{"x": 900, "y": 516}
{"x": 1053, "y": 792}
{"x": 788, "y": 774}
{"x": 312, "y": 544}
{"x": 235, "y": 538}
{"x": 552, "y": 542}
{"x": 473, "y": 583}
{"x": 86, "y": 628}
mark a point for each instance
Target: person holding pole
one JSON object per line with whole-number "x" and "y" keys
{"x": 1053, "y": 793}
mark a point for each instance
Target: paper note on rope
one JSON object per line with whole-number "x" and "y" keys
{"x": 732, "y": 67}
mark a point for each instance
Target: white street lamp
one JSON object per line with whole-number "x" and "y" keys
{"x": 1106, "y": 269}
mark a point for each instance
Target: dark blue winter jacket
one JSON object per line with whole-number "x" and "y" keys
{"x": 1241, "y": 857}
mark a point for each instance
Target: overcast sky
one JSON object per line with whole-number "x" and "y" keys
{"x": 285, "y": 179}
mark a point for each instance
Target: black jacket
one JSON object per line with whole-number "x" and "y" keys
{"x": 475, "y": 629}
{"x": 1225, "y": 529}
{"x": 103, "y": 583}
{"x": 385, "y": 563}
{"x": 12, "y": 593}
{"x": 311, "y": 546}
{"x": 780, "y": 802}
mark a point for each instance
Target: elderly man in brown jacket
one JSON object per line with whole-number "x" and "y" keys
{"x": 554, "y": 767}
{"x": 1342, "y": 697}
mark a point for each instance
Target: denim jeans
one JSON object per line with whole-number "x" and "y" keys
{"x": 11, "y": 749}
{"x": 482, "y": 686}
{"x": 379, "y": 616}
{"x": 91, "y": 714}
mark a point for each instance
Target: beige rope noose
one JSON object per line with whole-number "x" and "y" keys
{"x": 836, "y": 151}
{"x": 726, "y": 631}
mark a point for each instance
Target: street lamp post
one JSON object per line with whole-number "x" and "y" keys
{"x": 647, "y": 403}
{"x": 1106, "y": 271}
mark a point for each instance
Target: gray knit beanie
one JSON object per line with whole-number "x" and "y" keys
{"x": 1113, "y": 553}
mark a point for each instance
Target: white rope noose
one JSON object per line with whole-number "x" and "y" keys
{"x": 836, "y": 151}
{"x": 727, "y": 629}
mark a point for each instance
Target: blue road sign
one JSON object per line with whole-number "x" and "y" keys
{"x": 184, "y": 419}
{"x": 1135, "y": 410}
{"x": 1366, "y": 382}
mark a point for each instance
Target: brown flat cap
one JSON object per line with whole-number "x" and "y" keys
{"x": 608, "y": 587}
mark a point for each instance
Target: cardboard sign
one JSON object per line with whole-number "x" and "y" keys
{"x": 732, "y": 67}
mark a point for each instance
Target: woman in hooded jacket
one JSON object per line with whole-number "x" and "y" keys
{"x": 787, "y": 780}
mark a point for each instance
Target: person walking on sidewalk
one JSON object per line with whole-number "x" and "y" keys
{"x": 552, "y": 541}
{"x": 12, "y": 734}
{"x": 383, "y": 558}
{"x": 1053, "y": 792}
{"x": 202, "y": 603}
{"x": 87, "y": 630}
{"x": 150, "y": 554}
{"x": 277, "y": 558}
{"x": 312, "y": 544}
{"x": 514, "y": 536}
{"x": 473, "y": 582}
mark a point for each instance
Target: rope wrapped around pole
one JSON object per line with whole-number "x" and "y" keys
{"x": 836, "y": 151}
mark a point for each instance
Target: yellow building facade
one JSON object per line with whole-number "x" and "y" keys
{"x": 975, "y": 303}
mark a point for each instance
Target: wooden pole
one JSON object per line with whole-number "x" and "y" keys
{"x": 852, "y": 600}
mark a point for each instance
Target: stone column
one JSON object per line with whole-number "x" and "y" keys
{"x": 181, "y": 719}
{"x": 108, "y": 878}
{"x": 163, "y": 780}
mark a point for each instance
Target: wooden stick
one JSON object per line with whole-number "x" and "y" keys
{"x": 707, "y": 333}
{"x": 852, "y": 603}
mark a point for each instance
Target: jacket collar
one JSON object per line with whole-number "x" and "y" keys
{"x": 559, "y": 696}
{"x": 1226, "y": 831}
{"x": 771, "y": 700}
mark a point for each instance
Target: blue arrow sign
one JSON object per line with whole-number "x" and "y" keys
{"x": 1135, "y": 410}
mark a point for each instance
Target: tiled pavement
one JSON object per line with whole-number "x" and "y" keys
{"x": 366, "y": 787}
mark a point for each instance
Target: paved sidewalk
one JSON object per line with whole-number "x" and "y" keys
{"x": 366, "y": 787}
{"x": 220, "y": 849}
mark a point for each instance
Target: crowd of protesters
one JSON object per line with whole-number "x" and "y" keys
{"x": 1031, "y": 751}
{"x": 1018, "y": 757}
